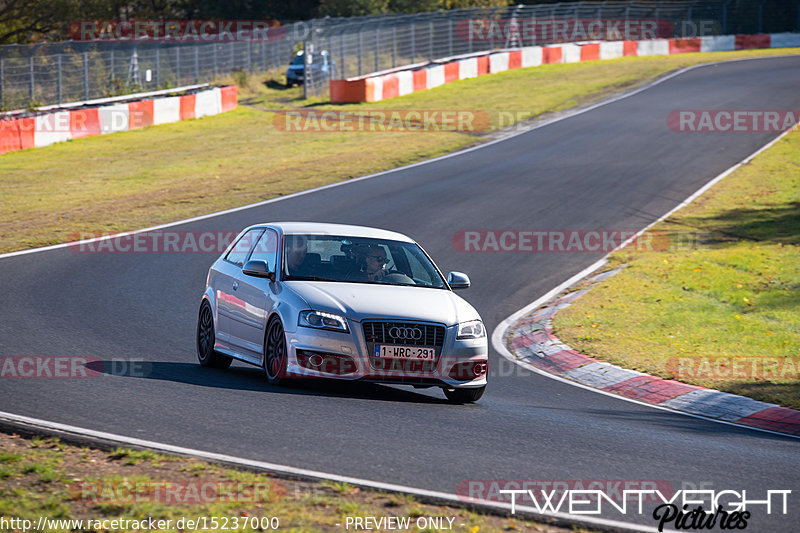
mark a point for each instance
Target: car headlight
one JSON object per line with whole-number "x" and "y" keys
{"x": 471, "y": 330}
{"x": 321, "y": 320}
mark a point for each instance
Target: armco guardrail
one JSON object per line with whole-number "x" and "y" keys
{"x": 60, "y": 125}
{"x": 374, "y": 88}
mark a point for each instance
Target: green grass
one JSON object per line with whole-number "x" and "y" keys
{"x": 721, "y": 312}
{"x": 91, "y": 484}
{"x": 164, "y": 173}
{"x": 132, "y": 457}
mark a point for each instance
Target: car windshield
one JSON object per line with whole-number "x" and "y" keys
{"x": 358, "y": 260}
{"x": 298, "y": 60}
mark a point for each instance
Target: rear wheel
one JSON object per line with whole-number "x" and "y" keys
{"x": 464, "y": 395}
{"x": 275, "y": 354}
{"x": 205, "y": 340}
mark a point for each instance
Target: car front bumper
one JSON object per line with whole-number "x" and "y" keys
{"x": 316, "y": 353}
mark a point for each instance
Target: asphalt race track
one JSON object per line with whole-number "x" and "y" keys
{"x": 614, "y": 167}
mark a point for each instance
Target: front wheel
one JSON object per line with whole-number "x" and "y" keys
{"x": 205, "y": 340}
{"x": 275, "y": 354}
{"x": 464, "y": 395}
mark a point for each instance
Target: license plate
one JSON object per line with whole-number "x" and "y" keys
{"x": 390, "y": 351}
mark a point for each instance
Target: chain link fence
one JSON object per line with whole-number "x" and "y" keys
{"x": 374, "y": 44}
{"x": 53, "y": 73}
{"x": 78, "y": 72}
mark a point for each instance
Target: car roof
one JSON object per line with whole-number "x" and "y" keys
{"x": 320, "y": 228}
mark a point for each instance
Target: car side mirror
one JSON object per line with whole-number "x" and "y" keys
{"x": 258, "y": 269}
{"x": 458, "y": 280}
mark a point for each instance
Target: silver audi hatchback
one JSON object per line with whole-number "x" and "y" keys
{"x": 330, "y": 301}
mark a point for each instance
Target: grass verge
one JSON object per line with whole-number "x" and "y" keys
{"x": 164, "y": 173}
{"x": 719, "y": 306}
{"x": 44, "y": 477}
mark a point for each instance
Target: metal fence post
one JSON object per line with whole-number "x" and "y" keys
{"x": 760, "y": 14}
{"x": 30, "y": 74}
{"x": 377, "y": 46}
{"x": 196, "y": 65}
{"x": 214, "y": 46}
{"x": 360, "y": 46}
{"x": 430, "y": 40}
{"x": 58, "y": 78}
{"x": 249, "y": 67}
{"x": 2, "y": 80}
{"x": 111, "y": 77}
{"x": 491, "y": 18}
{"x": 725, "y": 18}
{"x": 413, "y": 43}
{"x": 307, "y": 70}
{"x": 469, "y": 31}
{"x": 85, "y": 75}
{"x": 177, "y": 66}
{"x": 158, "y": 63}
{"x": 450, "y": 35}
{"x": 341, "y": 56}
{"x": 394, "y": 46}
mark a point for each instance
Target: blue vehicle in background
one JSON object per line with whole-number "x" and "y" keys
{"x": 321, "y": 65}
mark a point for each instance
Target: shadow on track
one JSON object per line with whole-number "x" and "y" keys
{"x": 252, "y": 379}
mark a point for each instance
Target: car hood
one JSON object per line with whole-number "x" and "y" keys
{"x": 358, "y": 301}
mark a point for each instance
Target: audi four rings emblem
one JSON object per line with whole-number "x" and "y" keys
{"x": 412, "y": 334}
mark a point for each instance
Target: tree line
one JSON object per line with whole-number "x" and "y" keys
{"x": 30, "y": 21}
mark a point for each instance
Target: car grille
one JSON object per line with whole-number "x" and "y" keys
{"x": 430, "y": 335}
{"x": 379, "y": 332}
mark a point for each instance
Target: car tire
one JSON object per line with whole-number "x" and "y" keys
{"x": 206, "y": 354}
{"x": 275, "y": 353}
{"x": 464, "y": 395}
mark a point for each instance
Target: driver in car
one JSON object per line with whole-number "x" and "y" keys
{"x": 373, "y": 268}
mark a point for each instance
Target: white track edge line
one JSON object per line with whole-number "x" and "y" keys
{"x": 289, "y": 470}
{"x": 500, "y": 331}
{"x": 611, "y": 100}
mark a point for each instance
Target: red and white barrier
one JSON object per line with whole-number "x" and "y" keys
{"x": 380, "y": 87}
{"x": 531, "y": 56}
{"x": 166, "y": 110}
{"x": 570, "y": 53}
{"x": 64, "y": 125}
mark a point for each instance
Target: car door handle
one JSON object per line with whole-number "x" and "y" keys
{"x": 235, "y": 285}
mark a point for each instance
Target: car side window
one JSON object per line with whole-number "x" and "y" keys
{"x": 267, "y": 249}
{"x": 239, "y": 252}
{"x": 418, "y": 269}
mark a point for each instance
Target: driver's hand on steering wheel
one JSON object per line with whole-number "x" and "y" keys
{"x": 377, "y": 276}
